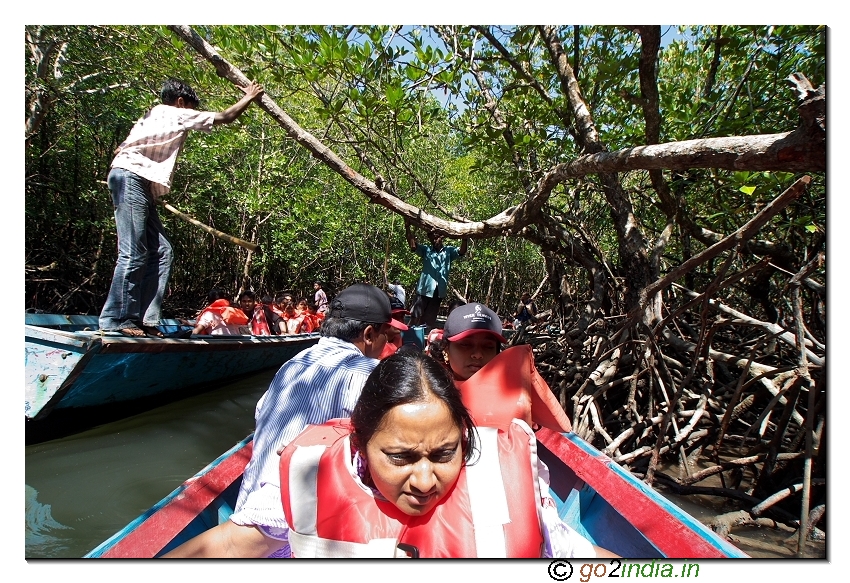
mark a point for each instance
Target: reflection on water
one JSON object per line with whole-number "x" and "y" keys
{"x": 39, "y": 524}
{"x": 83, "y": 488}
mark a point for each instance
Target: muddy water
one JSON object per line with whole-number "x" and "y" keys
{"x": 758, "y": 542}
{"x": 82, "y": 489}
{"x": 763, "y": 543}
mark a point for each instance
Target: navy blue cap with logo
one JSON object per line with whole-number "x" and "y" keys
{"x": 472, "y": 318}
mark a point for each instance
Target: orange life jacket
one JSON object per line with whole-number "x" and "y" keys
{"x": 230, "y": 315}
{"x": 332, "y": 514}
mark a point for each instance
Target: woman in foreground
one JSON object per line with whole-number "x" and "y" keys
{"x": 411, "y": 476}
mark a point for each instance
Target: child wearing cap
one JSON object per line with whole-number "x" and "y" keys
{"x": 472, "y": 350}
{"x": 472, "y": 337}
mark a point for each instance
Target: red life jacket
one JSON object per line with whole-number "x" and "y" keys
{"x": 509, "y": 387}
{"x": 332, "y": 514}
{"x": 294, "y": 323}
{"x": 391, "y": 348}
{"x": 307, "y": 324}
{"x": 259, "y": 325}
{"x": 388, "y": 351}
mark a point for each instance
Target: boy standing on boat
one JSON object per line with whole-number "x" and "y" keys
{"x": 141, "y": 173}
{"x": 434, "y": 280}
{"x": 320, "y": 298}
{"x": 318, "y": 384}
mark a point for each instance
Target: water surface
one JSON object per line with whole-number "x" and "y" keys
{"x": 83, "y": 488}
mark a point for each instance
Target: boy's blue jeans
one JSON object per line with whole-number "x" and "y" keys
{"x": 144, "y": 255}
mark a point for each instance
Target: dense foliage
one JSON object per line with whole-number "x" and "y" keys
{"x": 604, "y": 168}
{"x": 463, "y": 137}
{"x": 246, "y": 179}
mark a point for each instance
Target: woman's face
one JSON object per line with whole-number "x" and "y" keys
{"x": 415, "y": 455}
{"x": 469, "y": 354}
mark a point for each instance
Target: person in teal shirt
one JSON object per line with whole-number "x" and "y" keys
{"x": 434, "y": 280}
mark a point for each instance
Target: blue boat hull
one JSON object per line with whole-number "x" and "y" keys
{"x": 70, "y": 367}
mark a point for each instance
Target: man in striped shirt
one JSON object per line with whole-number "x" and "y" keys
{"x": 141, "y": 173}
{"x": 320, "y": 383}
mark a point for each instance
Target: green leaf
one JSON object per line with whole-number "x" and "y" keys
{"x": 413, "y": 73}
{"x": 748, "y": 190}
{"x": 741, "y": 177}
{"x": 394, "y": 95}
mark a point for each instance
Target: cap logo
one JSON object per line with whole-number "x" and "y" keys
{"x": 478, "y": 315}
{"x": 472, "y": 317}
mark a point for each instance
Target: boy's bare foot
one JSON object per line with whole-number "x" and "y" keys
{"x": 132, "y": 332}
{"x": 151, "y": 331}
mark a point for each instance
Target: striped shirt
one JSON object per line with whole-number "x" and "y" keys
{"x": 321, "y": 383}
{"x": 152, "y": 147}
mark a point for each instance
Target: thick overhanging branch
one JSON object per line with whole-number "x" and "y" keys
{"x": 791, "y": 151}
{"x": 489, "y": 228}
{"x": 776, "y": 152}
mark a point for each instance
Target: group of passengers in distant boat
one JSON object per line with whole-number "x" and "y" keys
{"x": 267, "y": 317}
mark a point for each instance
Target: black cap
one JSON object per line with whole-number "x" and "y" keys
{"x": 366, "y": 303}
{"x": 470, "y": 319}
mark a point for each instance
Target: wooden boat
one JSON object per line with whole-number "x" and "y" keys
{"x": 602, "y": 501}
{"x": 71, "y": 364}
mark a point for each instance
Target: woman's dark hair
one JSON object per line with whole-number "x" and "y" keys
{"x": 408, "y": 377}
{"x": 248, "y": 294}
